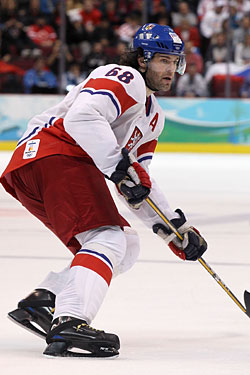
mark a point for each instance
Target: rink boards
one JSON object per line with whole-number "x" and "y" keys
{"x": 191, "y": 125}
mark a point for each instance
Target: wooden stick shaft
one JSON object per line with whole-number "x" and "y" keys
{"x": 201, "y": 260}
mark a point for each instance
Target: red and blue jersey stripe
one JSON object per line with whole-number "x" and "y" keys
{"x": 97, "y": 262}
{"x": 114, "y": 90}
{"x": 146, "y": 150}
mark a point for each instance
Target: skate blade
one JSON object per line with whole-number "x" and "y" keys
{"x": 23, "y": 319}
{"x": 60, "y": 349}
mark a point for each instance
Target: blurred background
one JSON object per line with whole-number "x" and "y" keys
{"x": 49, "y": 46}
{"x": 179, "y": 320}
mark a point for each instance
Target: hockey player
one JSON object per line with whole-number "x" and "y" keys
{"x": 58, "y": 173}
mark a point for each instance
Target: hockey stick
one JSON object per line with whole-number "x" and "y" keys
{"x": 246, "y": 309}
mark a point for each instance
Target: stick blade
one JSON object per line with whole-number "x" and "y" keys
{"x": 247, "y": 302}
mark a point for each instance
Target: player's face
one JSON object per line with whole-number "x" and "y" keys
{"x": 160, "y": 72}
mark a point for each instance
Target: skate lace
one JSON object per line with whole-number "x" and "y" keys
{"x": 50, "y": 310}
{"x": 85, "y": 325}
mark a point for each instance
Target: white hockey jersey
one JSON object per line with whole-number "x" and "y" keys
{"x": 100, "y": 116}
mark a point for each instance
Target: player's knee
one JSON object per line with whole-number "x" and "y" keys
{"x": 109, "y": 240}
{"x": 132, "y": 251}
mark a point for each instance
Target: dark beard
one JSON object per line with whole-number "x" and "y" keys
{"x": 144, "y": 75}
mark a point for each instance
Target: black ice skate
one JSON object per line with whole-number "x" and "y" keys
{"x": 35, "y": 312}
{"x": 72, "y": 333}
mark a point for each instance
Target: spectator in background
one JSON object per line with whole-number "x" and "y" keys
{"x": 161, "y": 12}
{"x": 73, "y": 7}
{"x": 42, "y": 34}
{"x": 193, "y": 5}
{"x": 235, "y": 16}
{"x": 8, "y": 9}
{"x": 39, "y": 80}
{"x": 78, "y": 38}
{"x": 29, "y": 10}
{"x": 138, "y": 8}
{"x": 104, "y": 31}
{"x": 242, "y": 52}
{"x": 23, "y": 16}
{"x": 158, "y": 6}
{"x": 212, "y": 22}
{"x": 243, "y": 7}
{"x": 191, "y": 84}
{"x": 163, "y": 20}
{"x": 114, "y": 56}
{"x": 90, "y": 14}
{"x": 112, "y": 12}
{"x": 54, "y": 57}
{"x": 188, "y": 32}
{"x": 183, "y": 13}
{"x": 193, "y": 57}
{"x": 204, "y": 6}
{"x": 244, "y": 29}
{"x": 94, "y": 59}
{"x": 217, "y": 52}
{"x": 48, "y": 6}
{"x": 34, "y": 9}
{"x": 106, "y": 45}
{"x": 73, "y": 4}
{"x": 128, "y": 29}
{"x": 126, "y": 6}
{"x": 73, "y": 77}
{"x": 14, "y": 39}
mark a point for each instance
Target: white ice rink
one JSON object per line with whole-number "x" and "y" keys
{"x": 171, "y": 316}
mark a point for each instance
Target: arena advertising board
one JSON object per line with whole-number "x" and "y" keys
{"x": 199, "y": 121}
{"x": 17, "y": 110}
{"x": 206, "y": 120}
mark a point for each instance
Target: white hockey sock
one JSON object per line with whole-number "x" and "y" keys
{"x": 91, "y": 273}
{"x": 82, "y": 296}
{"x": 55, "y": 281}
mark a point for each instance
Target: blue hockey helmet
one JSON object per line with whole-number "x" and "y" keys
{"x": 154, "y": 38}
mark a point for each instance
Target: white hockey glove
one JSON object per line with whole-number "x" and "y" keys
{"x": 193, "y": 245}
{"x": 132, "y": 180}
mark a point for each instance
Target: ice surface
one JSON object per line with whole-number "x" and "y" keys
{"x": 171, "y": 316}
